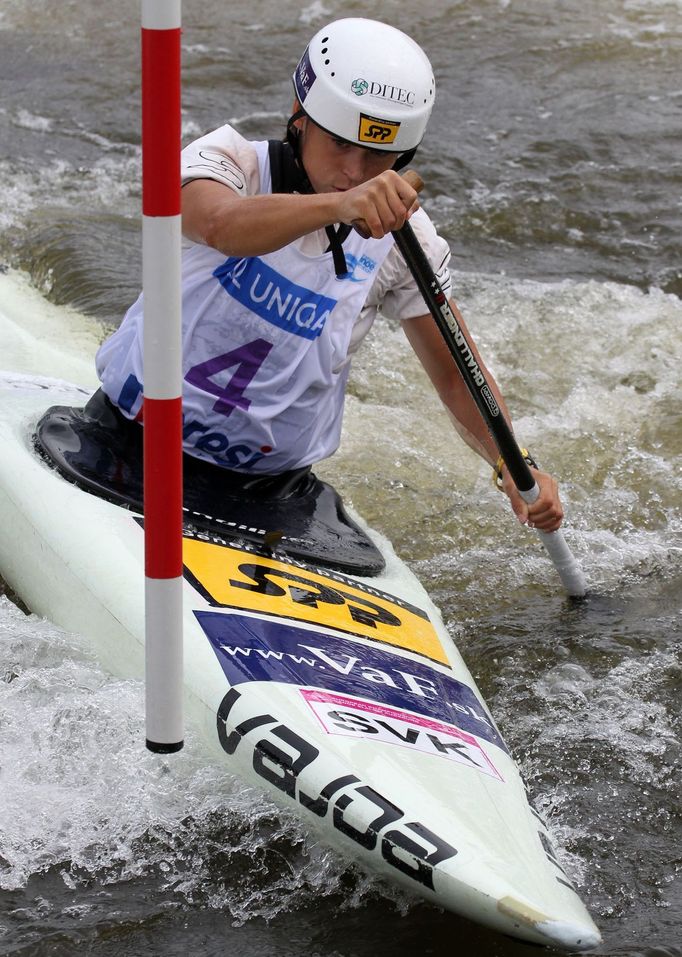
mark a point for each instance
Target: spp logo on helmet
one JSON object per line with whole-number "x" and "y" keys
{"x": 377, "y": 131}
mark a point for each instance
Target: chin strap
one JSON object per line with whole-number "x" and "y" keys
{"x": 289, "y": 176}
{"x": 404, "y": 159}
{"x": 336, "y": 236}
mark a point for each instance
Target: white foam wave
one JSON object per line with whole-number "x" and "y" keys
{"x": 314, "y": 12}
{"x": 258, "y": 116}
{"x": 83, "y": 799}
{"x": 29, "y": 121}
{"x": 111, "y": 183}
{"x": 591, "y": 374}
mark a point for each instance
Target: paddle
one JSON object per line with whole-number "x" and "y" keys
{"x": 461, "y": 350}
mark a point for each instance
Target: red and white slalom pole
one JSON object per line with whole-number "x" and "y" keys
{"x": 161, "y": 252}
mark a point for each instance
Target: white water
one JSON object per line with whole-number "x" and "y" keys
{"x": 82, "y": 799}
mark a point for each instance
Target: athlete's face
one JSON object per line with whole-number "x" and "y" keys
{"x": 333, "y": 165}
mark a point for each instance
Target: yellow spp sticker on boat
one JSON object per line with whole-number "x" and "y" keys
{"x": 232, "y": 578}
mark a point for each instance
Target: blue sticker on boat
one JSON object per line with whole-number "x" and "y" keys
{"x": 257, "y": 649}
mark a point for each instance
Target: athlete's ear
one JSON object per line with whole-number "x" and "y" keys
{"x": 300, "y": 117}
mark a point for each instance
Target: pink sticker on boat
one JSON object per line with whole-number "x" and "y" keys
{"x": 353, "y": 717}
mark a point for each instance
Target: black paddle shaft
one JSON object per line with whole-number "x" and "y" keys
{"x": 463, "y": 354}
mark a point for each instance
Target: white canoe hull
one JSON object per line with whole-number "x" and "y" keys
{"x": 356, "y": 709}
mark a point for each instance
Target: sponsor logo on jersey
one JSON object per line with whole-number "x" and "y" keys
{"x": 274, "y": 297}
{"x": 215, "y": 445}
{"x": 374, "y": 130}
{"x": 131, "y": 396}
{"x": 360, "y": 268}
{"x": 260, "y": 649}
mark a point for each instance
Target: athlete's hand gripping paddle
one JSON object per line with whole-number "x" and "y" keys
{"x": 460, "y": 348}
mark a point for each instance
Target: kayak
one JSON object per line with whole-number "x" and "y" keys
{"x": 333, "y": 685}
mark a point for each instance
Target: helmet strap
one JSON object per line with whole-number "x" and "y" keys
{"x": 286, "y": 172}
{"x": 336, "y": 236}
{"x": 293, "y": 139}
{"x": 292, "y": 177}
{"x": 404, "y": 159}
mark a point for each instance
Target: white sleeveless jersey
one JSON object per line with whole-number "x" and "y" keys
{"x": 265, "y": 350}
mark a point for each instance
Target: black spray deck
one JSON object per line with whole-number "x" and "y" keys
{"x": 296, "y": 515}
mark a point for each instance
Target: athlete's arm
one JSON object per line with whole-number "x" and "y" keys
{"x": 215, "y": 215}
{"x": 546, "y": 513}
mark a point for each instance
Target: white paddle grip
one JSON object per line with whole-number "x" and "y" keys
{"x": 568, "y": 569}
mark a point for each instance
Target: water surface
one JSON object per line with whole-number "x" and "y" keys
{"x": 553, "y": 168}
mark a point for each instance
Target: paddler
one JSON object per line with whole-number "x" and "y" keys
{"x": 288, "y": 255}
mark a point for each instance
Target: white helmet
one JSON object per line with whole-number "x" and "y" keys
{"x": 367, "y": 83}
